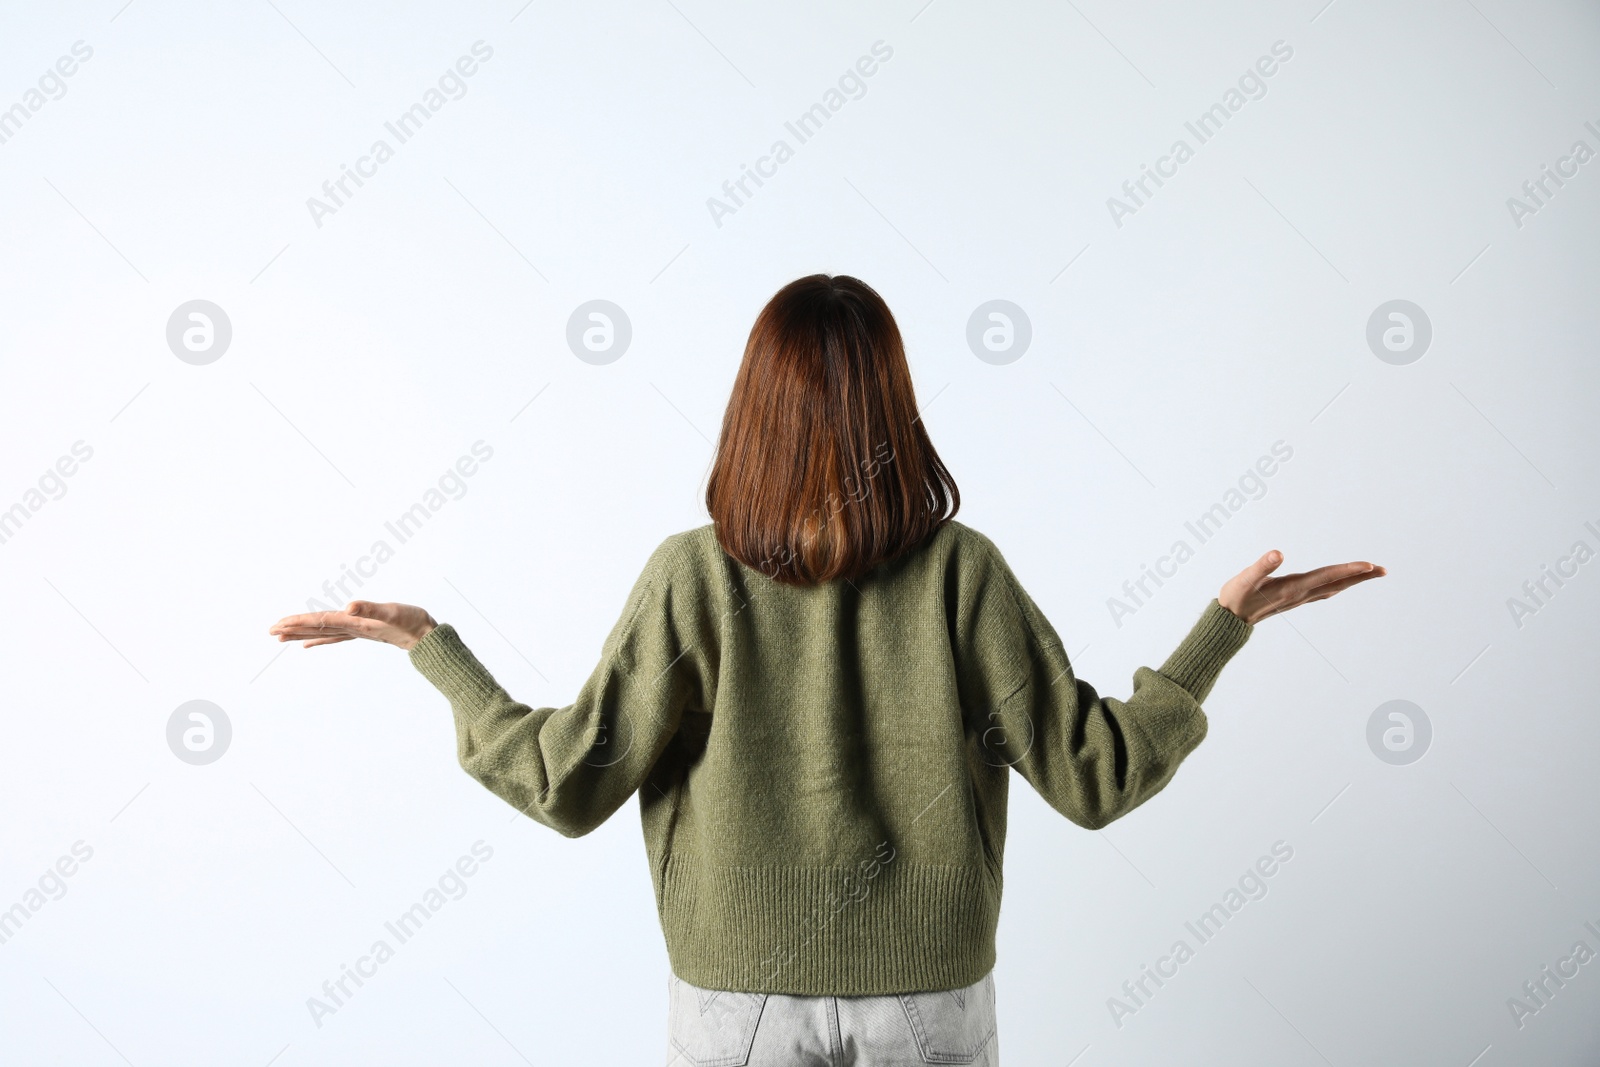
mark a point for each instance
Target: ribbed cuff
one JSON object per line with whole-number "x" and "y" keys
{"x": 450, "y": 665}
{"x": 1199, "y": 659}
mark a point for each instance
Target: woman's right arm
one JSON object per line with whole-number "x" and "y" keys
{"x": 1095, "y": 758}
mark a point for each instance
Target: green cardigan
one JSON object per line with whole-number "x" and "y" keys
{"x": 822, "y": 770}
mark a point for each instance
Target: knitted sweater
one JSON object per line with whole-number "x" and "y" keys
{"x": 822, "y": 771}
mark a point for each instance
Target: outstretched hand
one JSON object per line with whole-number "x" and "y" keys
{"x": 393, "y": 624}
{"x": 1254, "y": 596}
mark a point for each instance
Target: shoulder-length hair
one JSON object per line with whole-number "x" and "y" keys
{"x": 824, "y": 469}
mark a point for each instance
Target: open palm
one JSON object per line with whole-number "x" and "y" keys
{"x": 393, "y": 624}
{"x": 1253, "y": 595}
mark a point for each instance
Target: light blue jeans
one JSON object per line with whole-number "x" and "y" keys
{"x": 716, "y": 1028}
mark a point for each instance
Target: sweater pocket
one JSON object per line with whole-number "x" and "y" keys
{"x": 952, "y": 1025}
{"x": 710, "y": 1027}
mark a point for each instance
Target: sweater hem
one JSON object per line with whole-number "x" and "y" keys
{"x": 875, "y": 928}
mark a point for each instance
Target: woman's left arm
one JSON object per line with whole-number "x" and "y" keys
{"x": 569, "y": 768}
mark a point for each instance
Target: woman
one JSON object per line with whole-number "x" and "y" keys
{"x": 819, "y": 698}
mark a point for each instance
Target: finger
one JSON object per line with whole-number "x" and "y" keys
{"x": 1325, "y": 591}
{"x": 287, "y": 621}
{"x": 311, "y": 639}
{"x": 313, "y": 619}
{"x": 301, "y": 632}
{"x": 1331, "y": 588}
{"x": 325, "y": 641}
{"x": 1264, "y": 566}
{"x": 322, "y": 622}
{"x": 1297, "y": 585}
{"x": 1334, "y": 571}
{"x": 327, "y": 637}
{"x": 322, "y": 626}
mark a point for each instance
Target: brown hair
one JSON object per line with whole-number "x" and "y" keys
{"x": 824, "y": 469}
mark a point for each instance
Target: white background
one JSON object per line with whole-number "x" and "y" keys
{"x": 429, "y": 312}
